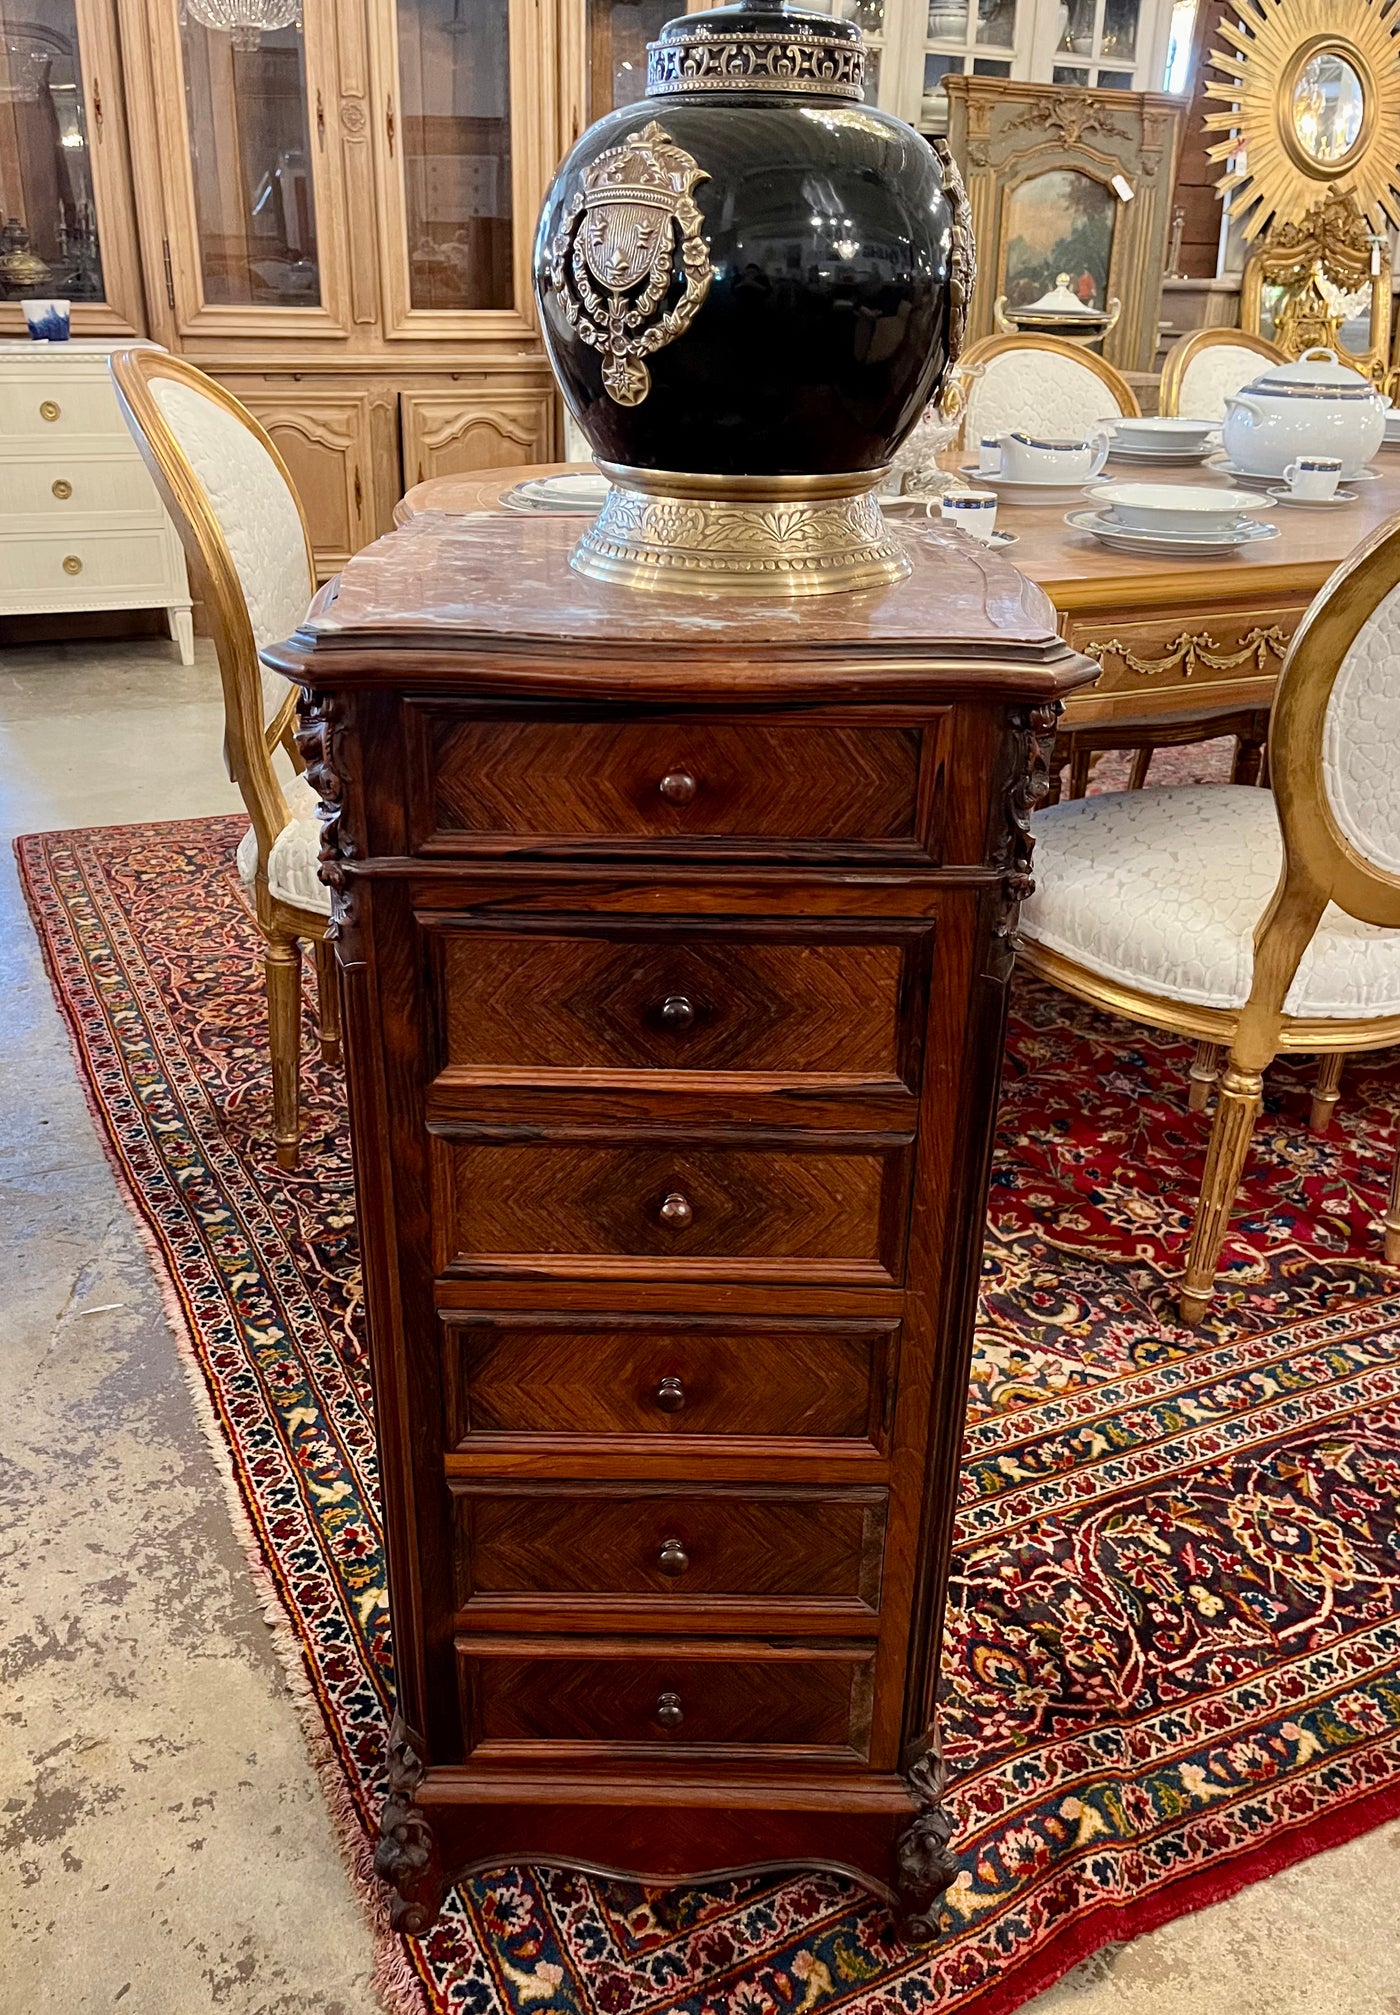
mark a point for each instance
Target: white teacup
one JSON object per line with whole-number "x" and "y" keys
{"x": 1060, "y": 458}
{"x": 989, "y": 455}
{"x": 974, "y": 510}
{"x": 1314, "y": 477}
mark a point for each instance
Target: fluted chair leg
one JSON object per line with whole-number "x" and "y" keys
{"x": 328, "y": 999}
{"x": 1391, "y": 1220}
{"x": 1327, "y": 1089}
{"x": 1205, "y": 1071}
{"x": 282, "y": 970}
{"x": 1241, "y": 1096}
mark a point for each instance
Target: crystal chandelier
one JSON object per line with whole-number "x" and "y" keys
{"x": 247, "y": 21}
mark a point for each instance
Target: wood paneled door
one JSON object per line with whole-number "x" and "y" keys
{"x": 488, "y": 426}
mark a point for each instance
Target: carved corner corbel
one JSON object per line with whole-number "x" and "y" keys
{"x": 406, "y": 1855}
{"x": 320, "y": 717}
{"x": 924, "y": 1861}
{"x": 1033, "y": 730}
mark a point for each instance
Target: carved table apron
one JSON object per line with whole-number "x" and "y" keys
{"x": 673, "y": 939}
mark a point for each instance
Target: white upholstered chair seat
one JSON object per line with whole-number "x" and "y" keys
{"x": 295, "y": 856}
{"x": 1161, "y": 890}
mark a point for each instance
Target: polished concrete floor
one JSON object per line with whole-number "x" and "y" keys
{"x": 164, "y": 1841}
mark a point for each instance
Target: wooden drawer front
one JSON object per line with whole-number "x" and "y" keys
{"x": 650, "y": 1209}
{"x": 668, "y": 999}
{"x": 52, "y": 409}
{"x": 35, "y": 570}
{"x": 528, "y": 1374}
{"x": 63, "y": 488}
{"x": 589, "y": 782}
{"x": 652, "y": 1694}
{"x": 672, "y": 1544}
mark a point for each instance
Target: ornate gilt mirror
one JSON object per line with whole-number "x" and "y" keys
{"x": 1311, "y": 117}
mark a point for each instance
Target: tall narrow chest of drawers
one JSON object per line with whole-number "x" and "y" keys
{"x": 81, "y": 526}
{"x": 674, "y": 938}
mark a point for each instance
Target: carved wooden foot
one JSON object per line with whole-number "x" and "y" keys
{"x": 924, "y": 1861}
{"x": 406, "y": 1856}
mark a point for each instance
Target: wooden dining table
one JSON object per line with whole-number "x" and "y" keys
{"x": 1187, "y": 646}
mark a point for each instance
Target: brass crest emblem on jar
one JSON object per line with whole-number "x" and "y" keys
{"x": 631, "y": 233}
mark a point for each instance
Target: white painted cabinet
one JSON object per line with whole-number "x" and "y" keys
{"x": 81, "y": 525}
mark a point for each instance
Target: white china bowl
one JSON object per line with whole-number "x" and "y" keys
{"x": 1174, "y": 507}
{"x": 1160, "y": 431}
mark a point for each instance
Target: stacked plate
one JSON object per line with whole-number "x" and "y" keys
{"x": 1166, "y": 443}
{"x": 1392, "y": 429}
{"x": 1223, "y": 466}
{"x": 1172, "y": 521}
{"x": 576, "y": 494}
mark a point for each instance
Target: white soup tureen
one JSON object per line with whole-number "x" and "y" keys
{"x": 1315, "y": 406}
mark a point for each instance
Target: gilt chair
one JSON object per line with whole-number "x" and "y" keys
{"x": 1257, "y": 921}
{"x": 245, "y": 535}
{"x": 1039, "y": 382}
{"x": 1208, "y": 367}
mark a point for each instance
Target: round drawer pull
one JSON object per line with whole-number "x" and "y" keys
{"x": 62, "y": 489}
{"x": 676, "y": 1211}
{"x": 673, "y": 1558}
{"x": 678, "y": 787}
{"x": 669, "y": 1711}
{"x": 50, "y": 410}
{"x": 670, "y": 1395}
{"x": 72, "y": 564}
{"x": 677, "y": 1012}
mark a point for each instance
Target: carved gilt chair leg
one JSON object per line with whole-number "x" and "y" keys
{"x": 1205, "y": 1071}
{"x": 328, "y": 999}
{"x": 1241, "y": 1096}
{"x": 1327, "y": 1089}
{"x": 282, "y": 970}
{"x": 1142, "y": 762}
{"x": 1391, "y": 1220}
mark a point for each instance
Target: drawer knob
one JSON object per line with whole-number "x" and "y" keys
{"x": 670, "y": 1395}
{"x": 676, "y": 1212}
{"x": 678, "y": 787}
{"x": 677, "y": 1012}
{"x": 62, "y": 489}
{"x": 669, "y": 1711}
{"x": 72, "y": 564}
{"x": 673, "y": 1558}
{"x": 49, "y": 409}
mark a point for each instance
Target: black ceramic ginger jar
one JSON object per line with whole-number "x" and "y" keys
{"x": 750, "y": 285}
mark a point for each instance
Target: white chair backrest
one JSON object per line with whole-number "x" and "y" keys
{"x": 1214, "y": 375}
{"x": 1361, "y": 739}
{"x": 1041, "y": 391}
{"x": 257, "y": 515}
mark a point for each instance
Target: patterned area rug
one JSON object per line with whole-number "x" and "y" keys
{"x": 1173, "y": 1658}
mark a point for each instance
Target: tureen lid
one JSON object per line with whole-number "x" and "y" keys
{"x": 1317, "y": 370}
{"x": 758, "y": 46}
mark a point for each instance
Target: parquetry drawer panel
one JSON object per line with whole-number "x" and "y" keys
{"x": 588, "y": 783}
{"x": 667, "y": 999}
{"x": 677, "y": 1210}
{"x": 672, "y": 1544}
{"x": 576, "y": 1375}
{"x": 653, "y": 1694}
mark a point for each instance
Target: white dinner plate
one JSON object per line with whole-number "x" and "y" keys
{"x": 1167, "y": 545}
{"x": 576, "y": 494}
{"x": 1227, "y": 468}
{"x": 1021, "y": 492}
{"x": 1161, "y": 458}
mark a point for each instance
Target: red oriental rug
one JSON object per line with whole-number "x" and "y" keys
{"x": 1173, "y": 1660}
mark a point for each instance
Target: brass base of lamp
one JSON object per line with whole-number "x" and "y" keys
{"x": 748, "y": 535}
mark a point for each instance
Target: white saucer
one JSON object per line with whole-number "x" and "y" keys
{"x": 1162, "y": 458}
{"x": 1167, "y": 545}
{"x": 1338, "y": 501}
{"x": 1227, "y": 468}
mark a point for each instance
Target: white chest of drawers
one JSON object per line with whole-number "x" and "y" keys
{"x": 81, "y": 525}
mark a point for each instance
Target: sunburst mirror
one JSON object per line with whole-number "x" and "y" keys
{"x": 1308, "y": 105}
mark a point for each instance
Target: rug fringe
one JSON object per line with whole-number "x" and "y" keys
{"x": 395, "y": 1980}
